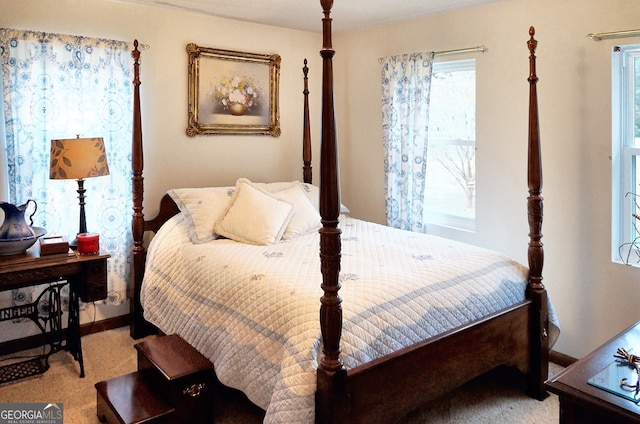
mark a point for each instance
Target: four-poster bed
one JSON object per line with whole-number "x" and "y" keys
{"x": 379, "y": 388}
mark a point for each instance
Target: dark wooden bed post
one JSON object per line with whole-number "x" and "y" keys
{"x": 332, "y": 375}
{"x": 306, "y": 131}
{"x": 536, "y": 291}
{"x": 137, "y": 223}
{"x": 139, "y": 327}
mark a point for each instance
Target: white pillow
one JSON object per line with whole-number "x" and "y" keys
{"x": 273, "y": 187}
{"x": 313, "y": 193}
{"x": 306, "y": 218}
{"x": 254, "y": 216}
{"x": 201, "y": 208}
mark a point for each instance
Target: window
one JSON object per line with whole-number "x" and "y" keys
{"x": 625, "y": 154}
{"x": 58, "y": 86}
{"x": 450, "y": 183}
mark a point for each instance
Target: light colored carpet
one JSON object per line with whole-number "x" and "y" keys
{"x": 494, "y": 398}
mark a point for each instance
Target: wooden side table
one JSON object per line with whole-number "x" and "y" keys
{"x": 583, "y": 403}
{"x": 87, "y": 279}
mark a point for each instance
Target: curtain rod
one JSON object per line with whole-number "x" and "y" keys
{"x": 481, "y": 49}
{"x": 597, "y": 36}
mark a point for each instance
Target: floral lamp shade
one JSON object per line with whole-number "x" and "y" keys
{"x": 78, "y": 158}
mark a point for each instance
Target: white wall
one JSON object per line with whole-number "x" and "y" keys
{"x": 171, "y": 158}
{"x": 594, "y": 299}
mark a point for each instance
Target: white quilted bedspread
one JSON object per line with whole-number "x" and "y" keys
{"x": 254, "y": 310}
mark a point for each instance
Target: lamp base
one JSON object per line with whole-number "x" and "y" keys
{"x": 83, "y": 220}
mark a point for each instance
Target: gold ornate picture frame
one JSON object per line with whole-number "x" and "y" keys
{"x": 232, "y": 92}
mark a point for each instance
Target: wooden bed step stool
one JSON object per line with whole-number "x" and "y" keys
{"x": 173, "y": 384}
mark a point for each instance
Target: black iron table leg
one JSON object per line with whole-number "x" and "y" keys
{"x": 74, "y": 339}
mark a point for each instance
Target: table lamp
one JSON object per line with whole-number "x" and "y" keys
{"x": 78, "y": 159}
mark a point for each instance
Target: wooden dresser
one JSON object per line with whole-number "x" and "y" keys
{"x": 584, "y": 403}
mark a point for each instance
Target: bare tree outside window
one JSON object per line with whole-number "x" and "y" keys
{"x": 461, "y": 164}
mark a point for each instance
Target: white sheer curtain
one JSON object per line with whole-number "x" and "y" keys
{"x": 59, "y": 86}
{"x": 406, "y": 85}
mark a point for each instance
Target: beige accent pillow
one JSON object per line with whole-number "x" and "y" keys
{"x": 306, "y": 218}
{"x": 202, "y": 207}
{"x": 254, "y": 216}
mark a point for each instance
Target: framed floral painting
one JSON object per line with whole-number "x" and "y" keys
{"x": 232, "y": 92}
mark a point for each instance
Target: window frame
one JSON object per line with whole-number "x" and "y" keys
{"x": 624, "y": 155}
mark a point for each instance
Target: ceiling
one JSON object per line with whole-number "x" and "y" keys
{"x": 307, "y": 14}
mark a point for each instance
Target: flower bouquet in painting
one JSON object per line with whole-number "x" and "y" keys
{"x": 237, "y": 94}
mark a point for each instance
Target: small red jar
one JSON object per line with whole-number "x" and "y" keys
{"x": 88, "y": 243}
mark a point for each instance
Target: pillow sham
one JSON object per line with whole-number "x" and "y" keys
{"x": 313, "y": 193}
{"x": 201, "y": 208}
{"x": 305, "y": 218}
{"x": 274, "y": 187}
{"x": 254, "y": 216}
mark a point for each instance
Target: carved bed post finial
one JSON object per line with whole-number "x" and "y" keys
{"x": 306, "y": 132}
{"x": 326, "y": 25}
{"x": 532, "y": 44}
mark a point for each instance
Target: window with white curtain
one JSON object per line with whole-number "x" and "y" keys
{"x": 625, "y": 246}
{"x": 450, "y": 182}
{"x": 57, "y": 86}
